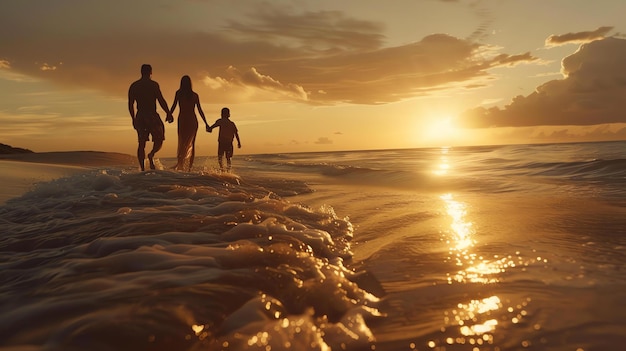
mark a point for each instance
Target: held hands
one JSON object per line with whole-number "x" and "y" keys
{"x": 208, "y": 129}
{"x": 169, "y": 118}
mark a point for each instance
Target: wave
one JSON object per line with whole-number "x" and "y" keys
{"x": 159, "y": 260}
{"x": 494, "y": 169}
{"x": 607, "y": 170}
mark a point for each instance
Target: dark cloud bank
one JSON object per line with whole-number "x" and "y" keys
{"x": 593, "y": 91}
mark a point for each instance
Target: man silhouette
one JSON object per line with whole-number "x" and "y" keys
{"x": 146, "y": 92}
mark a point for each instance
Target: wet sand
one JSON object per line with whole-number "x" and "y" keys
{"x": 20, "y": 172}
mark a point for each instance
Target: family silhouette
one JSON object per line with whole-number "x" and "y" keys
{"x": 145, "y": 93}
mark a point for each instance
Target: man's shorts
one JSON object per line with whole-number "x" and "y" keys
{"x": 225, "y": 148}
{"x": 149, "y": 124}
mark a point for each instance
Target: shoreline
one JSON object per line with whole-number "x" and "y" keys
{"x": 19, "y": 173}
{"x": 75, "y": 158}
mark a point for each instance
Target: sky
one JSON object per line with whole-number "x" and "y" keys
{"x": 319, "y": 75}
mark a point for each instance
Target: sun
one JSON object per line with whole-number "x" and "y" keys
{"x": 440, "y": 130}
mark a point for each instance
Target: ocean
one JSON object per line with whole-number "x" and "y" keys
{"x": 518, "y": 247}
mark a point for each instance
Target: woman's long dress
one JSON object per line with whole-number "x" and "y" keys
{"x": 187, "y": 129}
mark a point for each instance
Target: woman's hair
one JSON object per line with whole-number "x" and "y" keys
{"x": 185, "y": 86}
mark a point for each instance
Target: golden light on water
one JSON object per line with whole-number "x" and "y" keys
{"x": 473, "y": 319}
{"x": 479, "y": 329}
{"x": 475, "y": 322}
{"x": 476, "y": 268}
{"x": 200, "y": 331}
{"x": 475, "y": 309}
{"x": 197, "y": 329}
{"x": 461, "y": 229}
{"x": 443, "y": 167}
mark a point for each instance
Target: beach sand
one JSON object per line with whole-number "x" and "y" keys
{"x": 20, "y": 172}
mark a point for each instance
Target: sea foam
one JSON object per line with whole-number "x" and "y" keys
{"x": 162, "y": 260}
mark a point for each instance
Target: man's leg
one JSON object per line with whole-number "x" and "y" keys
{"x": 157, "y": 130}
{"x": 228, "y": 163}
{"x": 141, "y": 154}
{"x": 155, "y": 148}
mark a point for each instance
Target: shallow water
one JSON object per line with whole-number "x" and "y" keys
{"x": 483, "y": 248}
{"x": 498, "y": 248}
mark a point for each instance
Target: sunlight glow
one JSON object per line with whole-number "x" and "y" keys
{"x": 440, "y": 131}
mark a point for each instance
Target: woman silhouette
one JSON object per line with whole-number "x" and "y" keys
{"x": 187, "y": 123}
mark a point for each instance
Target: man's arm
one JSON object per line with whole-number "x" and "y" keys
{"x": 169, "y": 118}
{"x": 238, "y": 141}
{"x": 131, "y": 106}
{"x": 163, "y": 104}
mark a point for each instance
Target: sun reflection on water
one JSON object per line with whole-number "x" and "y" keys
{"x": 473, "y": 319}
{"x": 461, "y": 229}
{"x": 472, "y": 323}
{"x": 476, "y": 268}
{"x": 475, "y": 309}
{"x": 443, "y": 167}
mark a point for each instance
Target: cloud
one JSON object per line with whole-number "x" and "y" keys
{"x": 310, "y": 31}
{"x": 512, "y": 60}
{"x": 46, "y": 67}
{"x": 322, "y": 57}
{"x": 578, "y": 37}
{"x": 393, "y": 74}
{"x": 486, "y": 20}
{"x": 588, "y": 133}
{"x": 252, "y": 78}
{"x": 323, "y": 141}
{"x": 592, "y": 92}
